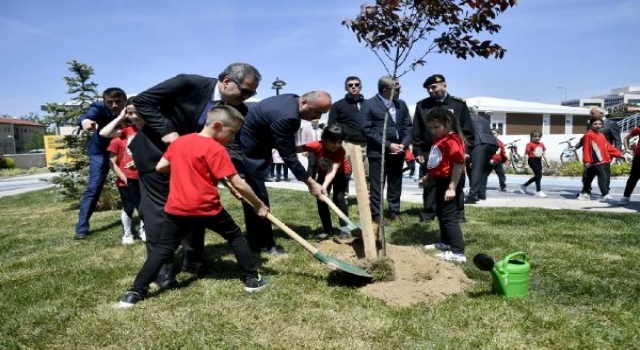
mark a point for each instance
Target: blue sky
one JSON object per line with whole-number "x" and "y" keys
{"x": 585, "y": 46}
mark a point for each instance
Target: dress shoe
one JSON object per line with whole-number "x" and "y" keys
{"x": 395, "y": 218}
{"x": 379, "y": 221}
{"x": 80, "y": 235}
{"x": 167, "y": 282}
{"x": 471, "y": 200}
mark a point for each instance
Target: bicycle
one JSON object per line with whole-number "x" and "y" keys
{"x": 568, "y": 154}
{"x": 516, "y": 160}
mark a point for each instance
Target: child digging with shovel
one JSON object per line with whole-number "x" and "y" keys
{"x": 332, "y": 168}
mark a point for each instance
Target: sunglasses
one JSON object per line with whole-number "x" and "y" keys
{"x": 353, "y": 85}
{"x": 244, "y": 92}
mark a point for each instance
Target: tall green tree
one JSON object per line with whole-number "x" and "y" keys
{"x": 73, "y": 174}
{"x": 401, "y": 33}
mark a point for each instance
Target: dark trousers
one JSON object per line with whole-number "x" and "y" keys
{"x": 154, "y": 191}
{"x": 339, "y": 187}
{"x": 312, "y": 165}
{"x": 411, "y": 166}
{"x": 259, "y": 230}
{"x": 448, "y": 215}
{"x": 536, "y": 166}
{"x": 603, "y": 172}
{"x": 428, "y": 195}
{"x": 130, "y": 197}
{"x": 499, "y": 169}
{"x": 634, "y": 176}
{"x": 175, "y": 229}
{"x": 480, "y": 169}
{"x": 281, "y": 168}
{"x": 393, "y": 175}
{"x": 98, "y": 170}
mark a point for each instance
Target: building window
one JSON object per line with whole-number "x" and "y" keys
{"x": 499, "y": 126}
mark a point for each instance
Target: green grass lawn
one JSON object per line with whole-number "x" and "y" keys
{"x": 57, "y": 293}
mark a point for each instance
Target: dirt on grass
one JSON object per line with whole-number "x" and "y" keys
{"x": 419, "y": 276}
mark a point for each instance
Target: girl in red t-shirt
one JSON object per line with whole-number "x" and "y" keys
{"x": 123, "y": 129}
{"x": 445, "y": 166}
{"x": 332, "y": 168}
{"x": 534, "y": 155}
{"x": 634, "y": 174}
{"x": 596, "y": 156}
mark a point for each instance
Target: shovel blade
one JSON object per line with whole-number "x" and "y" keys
{"x": 341, "y": 265}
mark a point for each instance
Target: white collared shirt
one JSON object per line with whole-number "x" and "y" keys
{"x": 390, "y": 106}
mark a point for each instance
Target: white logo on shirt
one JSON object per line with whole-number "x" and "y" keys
{"x": 538, "y": 151}
{"x": 435, "y": 157}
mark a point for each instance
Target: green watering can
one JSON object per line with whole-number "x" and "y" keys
{"x": 511, "y": 275}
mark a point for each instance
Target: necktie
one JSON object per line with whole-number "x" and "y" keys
{"x": 203, "y": 117}
{"x": 439, "y": 103}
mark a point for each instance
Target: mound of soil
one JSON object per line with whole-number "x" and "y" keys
{"x": 419, "y": 277}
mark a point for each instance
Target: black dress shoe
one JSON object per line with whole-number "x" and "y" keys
{"x": 471, "y": 200}
{"x": 395, "y": 218}
{"x": 80, "y": 235}
{"x": 379, "y": 221}
{"x": 167, "y": 282}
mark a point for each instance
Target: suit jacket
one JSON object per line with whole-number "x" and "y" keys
{"x": 99, "y": 113}
{"x": 423, "y": 138}
{"x": 344, "y": 112}
{"x": 484, "y": 136}
{"x": 371, "y": 118}
{"x": 175, "y": 105}
{"x": 272, "y": 123}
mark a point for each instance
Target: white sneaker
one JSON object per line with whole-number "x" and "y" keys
{"x": 127, "y": 239}
{"x": 624, "y": 201}
{"x": 523, "y": 189}
{"x": 541, "y": 194}
{"x": 451, "y": 256}
{"x": 607, "y": 198}
{"x": 584, "y": 197}
{"x": 438, "y": 246}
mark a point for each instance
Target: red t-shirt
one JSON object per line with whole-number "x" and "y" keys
{"x": 325, "y": 159}
{"x": 120, "y": 147}
{"x": 636, "y": 132}
{"x": 535, "y": 149}
{"x": 409, "y": 156}
{"x": 445, "y": 152}
{"x": 501, "y": 154}
{"x": 197, "y": 164}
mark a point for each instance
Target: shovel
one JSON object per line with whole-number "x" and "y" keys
{"x": 351, "y": 228}
{"x": 337, "y": 263}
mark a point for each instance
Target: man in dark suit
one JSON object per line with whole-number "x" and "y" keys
{"x": 97, "y": 116}
{"x": 485, "y": 147}
{"x": 423, "y": 139}
{"x": 175, "y": 107}
{"x": 273, "y": 123}
{"x": 396, "y": 141}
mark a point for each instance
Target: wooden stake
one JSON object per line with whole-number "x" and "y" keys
{"x": 362, "y": 194}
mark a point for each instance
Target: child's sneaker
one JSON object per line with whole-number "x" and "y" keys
{"x": 127, "y": 239}
{"x": 254, "y": 283}
{"x": 438, "y": 246}
{"x": 129, "y": 299}
{"x": 541, "y": 194}
{"x": 451, "y": 256}
{"x": 624, "y": 201}
{"x": 607, "y": 198}
{"x": 523, "y": 189}
{"x": 584, "y": 197}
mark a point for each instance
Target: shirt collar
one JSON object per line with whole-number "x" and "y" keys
{"x": 385, "y": 101}
{"x": 216, "y": 96}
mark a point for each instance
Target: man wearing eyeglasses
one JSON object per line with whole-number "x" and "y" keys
{"x": 423, "y": 139}
{"x": 274, "y": 123}
{"x": 344, "y": 113}
{"x": 175, "y": 107}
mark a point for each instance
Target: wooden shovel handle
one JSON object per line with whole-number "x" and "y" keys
{"x": 335, "y": 208}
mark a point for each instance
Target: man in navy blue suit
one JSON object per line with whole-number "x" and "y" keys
{"x": 98, "y": 115}
{"x": 273, "y": 123}
{"x": 396, "y": 140}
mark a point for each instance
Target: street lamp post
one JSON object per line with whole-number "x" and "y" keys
{"x": 565, "y": 91}
{"x": 277, "y": 85}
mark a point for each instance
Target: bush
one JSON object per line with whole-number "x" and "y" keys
{"x": 570, "y": 168}
{"x": 7, "y": 163}
{"x": 620, "y": 169}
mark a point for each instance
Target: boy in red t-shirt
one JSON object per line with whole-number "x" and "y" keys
{"x": 123, "y": 129}
{"x": 596, "y": 156}
{"x": 332, "y": 168}
{"x": 499, "y": 161}
{"x": 533, "y": 157}
{"x": 445, "y": 166}
{"x": 410, "y": 159}
{"x": 634, "y": 173}
{"x": 198, "y": 162}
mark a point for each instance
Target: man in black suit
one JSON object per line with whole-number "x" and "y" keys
{"x": 175, "y": 107}
{"x": 485, "y": 147}
{"x": 273, "y": 123}
{"x": 423, "y": 139}
{"x": 396, "y": 140}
